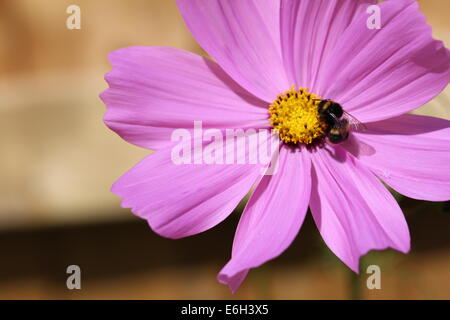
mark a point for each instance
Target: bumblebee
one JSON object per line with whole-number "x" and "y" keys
{"x": 330, "y": 111}
{"x": 339, "y": 131}
{"x": 339, "y": 122}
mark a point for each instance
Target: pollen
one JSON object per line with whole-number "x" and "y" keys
{"x": 295, "y": 117}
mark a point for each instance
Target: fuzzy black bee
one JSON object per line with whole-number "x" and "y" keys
{"x": 339, "y": 121}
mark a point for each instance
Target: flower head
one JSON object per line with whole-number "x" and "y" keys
{"x": 266, "y": 54}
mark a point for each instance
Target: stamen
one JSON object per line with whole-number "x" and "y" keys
{"x": 295, "y": 117}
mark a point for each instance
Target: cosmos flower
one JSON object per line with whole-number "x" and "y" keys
{"x": 271, "y": 60}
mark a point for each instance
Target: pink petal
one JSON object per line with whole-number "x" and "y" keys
{"x": 352, "y": 209}
{"x": 154, "y": 90}
{"x": 243, "y": 37}
{"x": 272, "y": 217}
{"x": 184, "y": 199}
{"x": 412, "y": 155}
{"x": 379, "y": 74}
{"x": 309, "y": 31}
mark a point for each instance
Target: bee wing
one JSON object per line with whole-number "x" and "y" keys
{"x": 354, "y": 123}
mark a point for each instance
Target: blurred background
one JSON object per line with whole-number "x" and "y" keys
{"x": 58, "y": 161}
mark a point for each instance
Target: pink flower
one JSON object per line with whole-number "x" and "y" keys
{"x": 262, "y": 48}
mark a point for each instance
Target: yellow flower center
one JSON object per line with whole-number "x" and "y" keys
{"x": 295, "y": 117}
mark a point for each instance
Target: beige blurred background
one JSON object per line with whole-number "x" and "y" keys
{"x": 58, "y": 161}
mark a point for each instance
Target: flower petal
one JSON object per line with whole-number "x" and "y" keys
{"x": 180, "y": 200}
{"x": 154, "y": 90}
{"x": 412, "y": 155}
{"x": 272, "y": 217}
{"x": 379, "y": 74}
{"x": 309, "y": 31}
{"x": 243, "y": 37}
{"x": 352, "y": 209}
